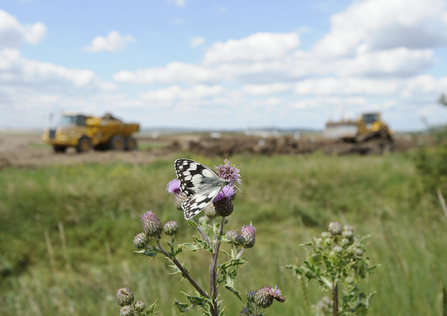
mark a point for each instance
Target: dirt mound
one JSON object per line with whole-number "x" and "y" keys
{"x": 228, "y": 146}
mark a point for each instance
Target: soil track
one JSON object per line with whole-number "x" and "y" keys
{"x": 27, "y": 150}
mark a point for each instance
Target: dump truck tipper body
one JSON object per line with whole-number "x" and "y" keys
{"x": 83, "y": 132}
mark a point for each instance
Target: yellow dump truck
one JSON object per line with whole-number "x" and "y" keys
{"x": 85, "y": 132}
{"x": 368, "y": 126}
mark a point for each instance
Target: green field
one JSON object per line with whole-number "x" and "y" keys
{"x": 66, "y": 233}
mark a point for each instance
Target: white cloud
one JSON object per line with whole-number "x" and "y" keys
{"x": 177, "y": 3}
{"x": 321, "y": 102}
{"x": 262, "y": 89}
{"x": 176, "y": 93}
{"x": 112, "y": 43}
{"x": 13, "y": 34}
{"x": 256, "y": 47}
{"x": 385, "y": 24}
{"x": 197, "y": 41}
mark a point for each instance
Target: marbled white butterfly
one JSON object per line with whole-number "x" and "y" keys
{"x": 199, "y": 183}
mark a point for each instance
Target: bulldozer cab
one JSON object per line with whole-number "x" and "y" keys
{"x": 369, "y": 118}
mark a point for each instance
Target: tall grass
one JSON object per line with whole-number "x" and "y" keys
{"x": 66, "y": 233}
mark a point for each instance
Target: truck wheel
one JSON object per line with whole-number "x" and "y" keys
{"x": 117, "y": 142}
{"x": 84, "y": 144}
{"x": 59, "y": 149}
{"x": 131, "y": 144}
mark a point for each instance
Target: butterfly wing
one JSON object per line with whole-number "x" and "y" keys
{"x": 200, "y": 184}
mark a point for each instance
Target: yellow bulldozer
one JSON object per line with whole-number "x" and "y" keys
{"x": 84, "y": 132}
{"x": 369, "y": 130}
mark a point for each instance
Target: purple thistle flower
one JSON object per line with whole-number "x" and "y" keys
{"x": 229, "y": 172}
{"x": 226, "y": 193}
{"x": 173, "y": 186}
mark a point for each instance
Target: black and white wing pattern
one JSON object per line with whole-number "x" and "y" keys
{"x": 199, "y": 183}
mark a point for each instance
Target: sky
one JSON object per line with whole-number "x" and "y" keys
{"x": 224, "y": 65}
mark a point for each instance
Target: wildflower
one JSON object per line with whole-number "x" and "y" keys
{"x": 345, "y": 242}
{"x": 223, "y": 203}
{"x": 173, "y": 187}
{"x": 264, "y": 296}
{"x": 124, "y": 296}
{"x": 348, "y": 228}
{"x": 152, "y": 226}
{"x": 335, "y": 228}
{"x": 359, "y": 252}
{"x": 251, "y": 296}
{"x": 248, "y": 232}
{"x": 140, "y": 241}
{"x": 245, "y": 312}
{"x": 326, "y": 235}
{"x": 140, "y": 306}
{"x": 127, "y": 311}
{"x": 171, "y": 228}
{"x": 229, "y": 172}
{"x": 347, "y": 234}
{"x": 338, "y": 249}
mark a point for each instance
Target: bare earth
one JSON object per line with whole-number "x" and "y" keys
{"x": 28, "y": 150}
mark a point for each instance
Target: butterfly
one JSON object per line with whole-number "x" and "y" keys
{"x": 199, "y": 183}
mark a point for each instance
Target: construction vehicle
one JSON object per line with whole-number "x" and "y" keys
{"x": 84, "y": 132}
{"x": 369, "y": 131}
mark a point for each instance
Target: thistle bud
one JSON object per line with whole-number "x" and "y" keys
{"x": 358, "y": 252}
{"x": 349, "y": 280}
{"x": 203, "y": 220}
{"x": 239, "y": 240}
{"x": 348, "y": 228}
{"x": 245, "y": 312}
{"x": 338, "y": 249}
{"x": 263, "y": 298}
{"x": 248, "y": 233}
{"x": 251, "y": 296}
{"x": 152, "y": 226}
{"x": 326, "y": 235}
{"x": 124, "y": 296}
{"x": 178, "y": 200}
{"x": 171, "y": 228}
{"x": 209, "y": 211}
{"x": 335, "y": 228}
{"x": 347, "y": 234}
{"x": 231, "y": 236}
{"x": 139, "y": 306}
{"x": 140, "y": 241}
{"x": 127, "y": 311}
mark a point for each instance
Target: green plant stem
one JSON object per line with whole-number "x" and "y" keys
{"x": 213, "y": 271}
{"x": 205, "y": 237}
{"x": 185, "y": 273}
{"x": 335, "y": 299}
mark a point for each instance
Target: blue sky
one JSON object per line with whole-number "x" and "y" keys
{"x": 223, "y": 64}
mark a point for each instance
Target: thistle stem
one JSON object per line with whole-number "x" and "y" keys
{"x": 335, "y": 299}
{"x": 185, "y": 273}
{"x": 213, "y": 271}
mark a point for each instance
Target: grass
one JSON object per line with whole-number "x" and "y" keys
{"x": 147, "y": 146}
{"x": 39, "y": 145}
{"x": 66, "y": 233}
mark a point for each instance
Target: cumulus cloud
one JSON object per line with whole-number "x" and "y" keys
{"x": 112, "y": 43}
{"x": 176, "y": 93}
{"x": 13, "y": 34}
{"x": 384, "y": 25}
{"x": 258, "y": 46}
{"x": 197, "y": 41}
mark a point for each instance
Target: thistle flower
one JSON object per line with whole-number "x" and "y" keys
{"x": 152, "y": 226}
{"x": 139, "y": 306}
{"x": 229, "y": 172}
{"x": 127, "y": 311}
{"x": 335, "y": 228}
{"x": 223, "y": 204}
{"x": 173, "y": 187}
{"x": 124, "y": 296}
{"x": 245, "y": 312}
{"x": 140, "y": 241}
{"x": 248, "y": 232}
{"x": 171, "y": 228}
{"x": 264, "y": 296}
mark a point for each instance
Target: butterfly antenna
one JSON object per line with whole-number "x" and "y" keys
{"x": 238, "y": 189}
